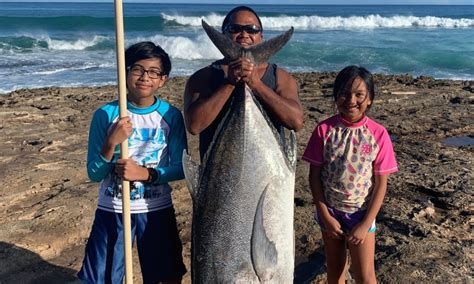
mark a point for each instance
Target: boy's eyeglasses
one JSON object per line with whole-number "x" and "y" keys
{"x": 138, "y": 70}
{"x": 236, "y": 28}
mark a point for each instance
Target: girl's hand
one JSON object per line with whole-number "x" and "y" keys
{"x": 128, "y": 169}
{"x": 333, "y": 227}
{"x": 121, "y": 131}
{"x": 358, "y": 234}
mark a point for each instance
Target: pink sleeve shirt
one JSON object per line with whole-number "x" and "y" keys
{"x": 349, "y": 154}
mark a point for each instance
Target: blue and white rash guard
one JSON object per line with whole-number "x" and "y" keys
{"x": 157, "y": 140}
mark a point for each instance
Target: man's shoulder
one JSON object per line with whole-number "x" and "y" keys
{"x": 283, "y": 76}
{"x": 204, "y": 72}
{"x": 281, "y": 71}
{"x": 204, "y": 77}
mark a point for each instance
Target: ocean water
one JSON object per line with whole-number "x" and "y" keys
{"x": 73, "y": 44}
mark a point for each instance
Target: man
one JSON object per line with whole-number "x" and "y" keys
{"x": 208, "y": 91}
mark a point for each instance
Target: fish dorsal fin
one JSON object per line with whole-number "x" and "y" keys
{"x": 192, "y": 173}
{"x": 259, "y": 53}
{"x": 264, "y": 252}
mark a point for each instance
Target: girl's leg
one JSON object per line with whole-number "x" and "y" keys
{"x": 336, "y": 259}
{"x": 362, "y": 259}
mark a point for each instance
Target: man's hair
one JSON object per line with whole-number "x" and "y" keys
{"x": 346, "y": 77}
{"x": 147, "y": 50}
{"x": 238, "y": 9}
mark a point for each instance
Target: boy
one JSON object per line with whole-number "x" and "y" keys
{"x": 157, "y": 138}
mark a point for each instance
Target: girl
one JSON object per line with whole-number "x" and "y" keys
{"x": 351, "y": 157}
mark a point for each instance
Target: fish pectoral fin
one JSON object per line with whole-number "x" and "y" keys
{"x": 291, "y": 148}
{"x": 264, "y": 253}
{"x": 192, "y": 173}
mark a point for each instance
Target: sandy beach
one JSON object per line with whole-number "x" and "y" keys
{"x": 425, "y": 228}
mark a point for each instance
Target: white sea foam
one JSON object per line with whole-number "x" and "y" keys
{"x": 212, "y": 19}
{"x": 317, "y": 22}
{"x": 178, "y": 47}
{"x": 80, "y": 44}
{"x": 85, "y": 66}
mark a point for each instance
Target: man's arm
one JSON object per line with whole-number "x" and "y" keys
{"x": 284, "y": 102}
{"x": 201, "y": 103}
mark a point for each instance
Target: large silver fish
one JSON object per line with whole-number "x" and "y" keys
{"x": 243, "y": 192}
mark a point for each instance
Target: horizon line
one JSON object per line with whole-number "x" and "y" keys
{"x": 227, "y": 4}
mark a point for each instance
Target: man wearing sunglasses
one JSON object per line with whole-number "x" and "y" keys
{"x": 207, "y": 93}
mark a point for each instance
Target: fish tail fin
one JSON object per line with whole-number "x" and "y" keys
{"x": 263, "y": 51}
{"x": 226, "y": 46}
{"x": 259, "y": 53}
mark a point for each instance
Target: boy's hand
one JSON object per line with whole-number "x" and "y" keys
{"x": 121, "y": 131}
{"x": 128, "y": 169}
{"x": 358, "y": 234}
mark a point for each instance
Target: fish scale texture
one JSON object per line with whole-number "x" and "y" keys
{"x": 246, "y": 159}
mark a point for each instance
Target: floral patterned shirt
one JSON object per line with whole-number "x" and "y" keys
{"x": 350, "y": 154}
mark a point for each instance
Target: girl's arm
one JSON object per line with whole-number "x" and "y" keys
{"x": 333, "y": 228}
{"x": 359, "y": 232}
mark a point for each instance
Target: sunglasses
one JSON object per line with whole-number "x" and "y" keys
{"x": 236, "y": 28}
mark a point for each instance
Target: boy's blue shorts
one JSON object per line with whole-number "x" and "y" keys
{"x": 158, "y": 244}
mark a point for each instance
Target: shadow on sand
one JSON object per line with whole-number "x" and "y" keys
{"x": 307, "y": 271}
{"x": 19, "y": 265}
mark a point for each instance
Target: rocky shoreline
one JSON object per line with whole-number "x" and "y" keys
{"x": 425, "y": 228}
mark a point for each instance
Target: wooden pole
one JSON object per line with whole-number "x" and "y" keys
{"x": 122, "y": 91}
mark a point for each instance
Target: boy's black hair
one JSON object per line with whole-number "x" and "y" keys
{"x": 146, "y": 50}
{"x": 238, "y": 9}
{"x": 346, "y": 77}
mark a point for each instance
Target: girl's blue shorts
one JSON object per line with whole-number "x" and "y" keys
{"x": 347, "y": 220}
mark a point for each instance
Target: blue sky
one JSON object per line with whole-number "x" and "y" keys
{"x": 310, "y": 2}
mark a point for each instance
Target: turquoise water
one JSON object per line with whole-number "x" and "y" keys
{"x": 73, "y": 44}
